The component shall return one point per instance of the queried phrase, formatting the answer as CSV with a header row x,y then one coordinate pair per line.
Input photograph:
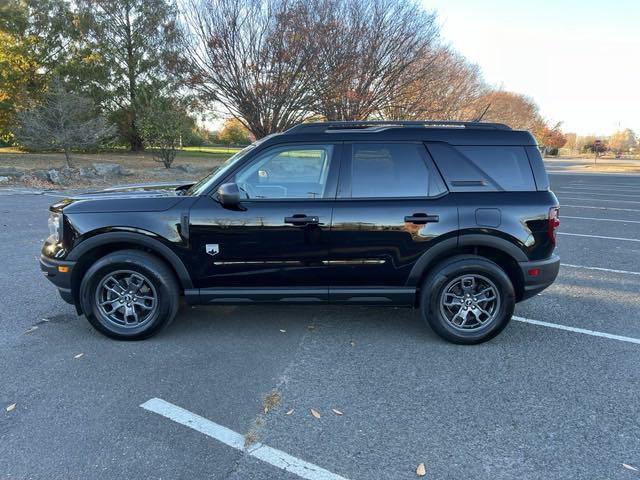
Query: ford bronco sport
x,y
454,218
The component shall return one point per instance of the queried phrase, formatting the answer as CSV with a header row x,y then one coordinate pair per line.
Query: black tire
x,y
456,272
158,284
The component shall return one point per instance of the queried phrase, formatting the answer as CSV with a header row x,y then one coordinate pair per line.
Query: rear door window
x,y
392,170
484,168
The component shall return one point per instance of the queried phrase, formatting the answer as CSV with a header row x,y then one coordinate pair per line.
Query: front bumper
x,y
59,273
538,275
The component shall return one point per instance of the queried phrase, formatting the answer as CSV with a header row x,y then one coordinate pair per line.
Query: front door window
x,y
291,172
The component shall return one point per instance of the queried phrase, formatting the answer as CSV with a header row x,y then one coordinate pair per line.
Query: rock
x,y
10,172
87,172
186,168
4,179
40,175
54,176
126,172
105,169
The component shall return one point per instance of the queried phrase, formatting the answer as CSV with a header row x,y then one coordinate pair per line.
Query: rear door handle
x,y
302,219
422,218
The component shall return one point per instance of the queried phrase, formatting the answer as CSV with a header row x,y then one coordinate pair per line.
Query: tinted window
x,y
486,168
287,172
388,170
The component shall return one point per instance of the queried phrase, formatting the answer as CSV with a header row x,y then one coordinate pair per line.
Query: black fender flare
x,y
142,239
499,243
436,252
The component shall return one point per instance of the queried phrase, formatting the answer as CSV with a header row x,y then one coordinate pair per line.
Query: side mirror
x,y
229,195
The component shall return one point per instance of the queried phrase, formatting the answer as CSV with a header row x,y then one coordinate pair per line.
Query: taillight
x,y
553,223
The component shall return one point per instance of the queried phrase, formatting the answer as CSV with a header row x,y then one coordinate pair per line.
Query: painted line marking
x,y
598,189
592,194
600,269
582,184
272,456
601,200
600,219
593,333
598,236
601,208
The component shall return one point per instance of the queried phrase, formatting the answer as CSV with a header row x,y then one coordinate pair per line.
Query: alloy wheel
x,y
126,298
470,302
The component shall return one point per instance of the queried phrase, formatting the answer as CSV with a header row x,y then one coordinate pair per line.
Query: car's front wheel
x,y
467,299
129,295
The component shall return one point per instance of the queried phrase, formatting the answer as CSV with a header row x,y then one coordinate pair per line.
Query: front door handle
x,y
422,218
302,219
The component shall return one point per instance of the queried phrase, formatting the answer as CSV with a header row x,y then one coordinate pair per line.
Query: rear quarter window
x,y
484,168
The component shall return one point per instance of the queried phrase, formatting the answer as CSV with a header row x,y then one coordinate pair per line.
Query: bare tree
x,y
443,85
365,51
252,57
514,109
62,122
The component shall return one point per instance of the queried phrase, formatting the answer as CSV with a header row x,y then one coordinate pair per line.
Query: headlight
x,y
55,227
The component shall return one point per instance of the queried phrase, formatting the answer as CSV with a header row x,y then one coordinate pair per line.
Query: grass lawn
x,y
199,157
226,151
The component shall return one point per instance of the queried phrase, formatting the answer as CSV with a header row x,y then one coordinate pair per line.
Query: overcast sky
x,y
579,60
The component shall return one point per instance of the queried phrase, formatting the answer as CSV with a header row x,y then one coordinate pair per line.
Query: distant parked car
x,y
456,219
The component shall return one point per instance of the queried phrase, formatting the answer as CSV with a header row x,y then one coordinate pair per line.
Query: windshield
x,y
201,186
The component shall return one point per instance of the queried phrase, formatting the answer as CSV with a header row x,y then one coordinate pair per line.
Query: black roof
x,y
454,133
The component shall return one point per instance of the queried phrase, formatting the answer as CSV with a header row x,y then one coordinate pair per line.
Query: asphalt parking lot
x,y
552,400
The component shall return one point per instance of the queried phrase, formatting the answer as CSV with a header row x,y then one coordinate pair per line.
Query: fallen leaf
x,y
311,327
78,355
283,331
250,438
628,467
290,412
31,329
11,407
421,471
271,401
315,413
45,320
337,412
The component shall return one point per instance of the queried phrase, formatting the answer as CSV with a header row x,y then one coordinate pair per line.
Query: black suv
x,y
454,218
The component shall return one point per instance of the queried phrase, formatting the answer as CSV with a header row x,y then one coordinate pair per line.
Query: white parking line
x,y
593,194
599,236
600,269
584,331
562,205
277,458
578,184
600,189
600,219
600,200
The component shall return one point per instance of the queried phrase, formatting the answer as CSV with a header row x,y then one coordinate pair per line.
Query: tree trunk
x,y
135,140
67,157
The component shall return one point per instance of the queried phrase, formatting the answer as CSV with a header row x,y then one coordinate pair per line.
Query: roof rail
x,y
377,125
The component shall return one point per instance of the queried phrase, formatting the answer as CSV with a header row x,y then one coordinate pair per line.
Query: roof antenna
x,y
483,112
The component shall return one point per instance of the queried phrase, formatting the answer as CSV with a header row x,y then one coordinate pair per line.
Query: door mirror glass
x,y
229,195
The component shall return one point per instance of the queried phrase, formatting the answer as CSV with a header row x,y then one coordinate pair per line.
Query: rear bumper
x,y
62,280
538,275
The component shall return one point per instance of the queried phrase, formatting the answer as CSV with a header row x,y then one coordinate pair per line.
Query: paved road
x,y
534,403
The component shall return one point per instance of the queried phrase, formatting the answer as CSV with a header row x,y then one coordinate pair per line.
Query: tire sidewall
x,y
448,271
97,272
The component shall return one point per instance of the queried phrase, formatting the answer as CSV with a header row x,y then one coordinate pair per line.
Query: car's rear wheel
x,y
467,299
129,295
